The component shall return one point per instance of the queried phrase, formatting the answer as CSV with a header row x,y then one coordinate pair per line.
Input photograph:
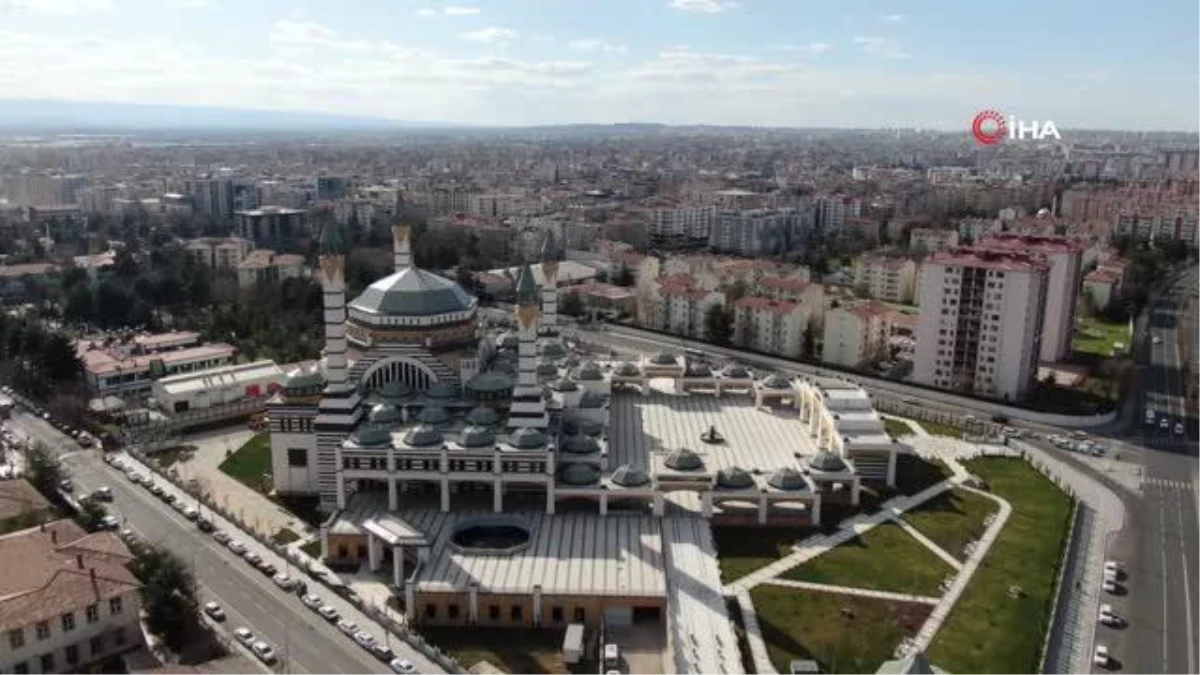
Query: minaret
x,y
401,247
549,286
333,289
528,409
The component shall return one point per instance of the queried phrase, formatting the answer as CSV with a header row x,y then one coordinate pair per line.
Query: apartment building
x,y
1062,292
67,599
219,253
1173,222
760,231
930,240
264,265
677,304
887,278
856,334
275,224
771,326
981,320
34,188
683,223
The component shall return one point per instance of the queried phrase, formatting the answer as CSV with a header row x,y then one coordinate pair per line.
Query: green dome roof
x,y
422,436
371,434
509,340
546,368
564,385
580,444
395,389
489,382
527,438
582,426
589,372
787,478
627,369
476,437
434,414
413,292
630,476
735,478
697,370
683,459
384,413
736,372
552,348
441,390
776,381
578,474
483,416
664,359
827,461
304,379
591,399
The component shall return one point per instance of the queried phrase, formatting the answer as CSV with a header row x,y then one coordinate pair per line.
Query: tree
x,y
57,358
808,345
42,469
737,290
168,594
91,515
572,304
718,325
623,276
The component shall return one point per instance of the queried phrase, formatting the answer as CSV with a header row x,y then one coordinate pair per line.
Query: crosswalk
x,y
1168,483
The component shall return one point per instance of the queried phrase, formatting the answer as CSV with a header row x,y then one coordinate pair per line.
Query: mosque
x,y
496,478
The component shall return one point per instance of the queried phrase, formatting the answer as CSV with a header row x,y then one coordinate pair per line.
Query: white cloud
x,y
810,48
426,11
891,18
881,48
492,35
598,45
703,6
55,7
460,10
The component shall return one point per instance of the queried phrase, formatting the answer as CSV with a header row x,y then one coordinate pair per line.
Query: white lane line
x,y
1162,520
1187,593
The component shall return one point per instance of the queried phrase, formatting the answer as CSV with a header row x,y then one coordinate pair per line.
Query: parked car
x,y
222,537
109,523
329,613
312,602
1107,617
402,666
156,490
204,525
66,485
244,635
252,557
266,568
348,627
1100,656
284,581
102,494
214,610
1164,424
236,546
382,652
264,652
1111,586
1179,428
364,639
191,513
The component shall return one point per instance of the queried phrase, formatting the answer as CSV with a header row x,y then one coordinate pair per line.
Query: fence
x,y
1060,590
968,423
304,563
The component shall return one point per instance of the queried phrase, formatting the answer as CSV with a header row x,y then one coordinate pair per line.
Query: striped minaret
x,y
550,294
527,409
333,288
401,247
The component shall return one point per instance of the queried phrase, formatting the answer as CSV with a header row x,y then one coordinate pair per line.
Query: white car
x,y
1164,424
311,601
1106,615
364,639
284,581
221,536
263,651
1100,657
1112,566
348,627
191,513
244,635
1111,586
109,523
1179,428
402,666
214,610
236,546
328,612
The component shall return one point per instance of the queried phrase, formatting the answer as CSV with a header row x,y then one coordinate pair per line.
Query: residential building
x,y
271,224
981,321
331,188
887,278
685,307
761,231
212,197
1102,286
930,240
1062,291
67,599
771,326
219,253
683,223
264,265
856,334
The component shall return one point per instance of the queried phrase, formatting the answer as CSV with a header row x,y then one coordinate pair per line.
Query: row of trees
x,y
35,358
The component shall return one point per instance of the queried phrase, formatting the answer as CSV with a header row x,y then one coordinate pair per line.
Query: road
x,y
305,642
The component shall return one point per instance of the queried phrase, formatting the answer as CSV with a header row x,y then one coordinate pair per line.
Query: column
x,y
537,605
398,566
473,606
815,505
341,489
891,470
373,553
604,503
706,504
762,509
658,505
324,542
401,249
550,499
717,388
854,490
445,496
393,498
410,603
498,497
423,555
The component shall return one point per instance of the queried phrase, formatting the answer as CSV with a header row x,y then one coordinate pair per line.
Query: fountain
x,y
711,436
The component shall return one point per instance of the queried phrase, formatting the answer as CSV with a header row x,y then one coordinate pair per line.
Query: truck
x,y
572,647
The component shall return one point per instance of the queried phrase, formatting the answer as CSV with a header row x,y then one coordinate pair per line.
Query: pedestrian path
x,y
851,590
1168,483
758,648
929,544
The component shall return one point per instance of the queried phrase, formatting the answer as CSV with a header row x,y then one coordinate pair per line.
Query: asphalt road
x,y
304,641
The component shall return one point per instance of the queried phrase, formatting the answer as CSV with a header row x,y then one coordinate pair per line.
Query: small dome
x,y
734,478
384,413
546,368
582,426
580,444
683,459
552,349
476,437
578,474
303,380
434,414
505,366
395,389
735,372
663,359
489,382
826,461
697,370
564,384
371,435
508,340
423,435
627,475
776,381
627,369
527,438
589,372
442,390
571,362
483,416
787,478
591,400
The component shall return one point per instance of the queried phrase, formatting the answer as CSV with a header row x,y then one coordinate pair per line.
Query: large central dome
x,y
413,292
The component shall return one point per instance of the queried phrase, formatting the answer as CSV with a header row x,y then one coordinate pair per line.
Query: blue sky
x,y
876,63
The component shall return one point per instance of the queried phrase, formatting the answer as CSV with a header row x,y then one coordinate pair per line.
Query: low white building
x,y
771,326
217,386
856,334
887,278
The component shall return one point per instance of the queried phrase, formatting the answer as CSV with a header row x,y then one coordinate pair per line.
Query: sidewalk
x,y
849,590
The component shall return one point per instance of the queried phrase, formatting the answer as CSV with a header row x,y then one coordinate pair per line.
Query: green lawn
x,y
886,558
513,650
988,631
939,429
896,427
844,633
741,550
952,519
170,456
1100,337
251,463
284,536
312,549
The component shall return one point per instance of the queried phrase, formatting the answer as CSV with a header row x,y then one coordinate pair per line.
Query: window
x,y
93,613
452,611
297,457
494,612
515,613
97,644
43,630
431,610
16,638
21,667
72,654
68,622
47,663
114,606
556,614
119,637
579,614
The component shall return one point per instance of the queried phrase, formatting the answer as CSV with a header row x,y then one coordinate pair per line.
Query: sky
x,y
1109,64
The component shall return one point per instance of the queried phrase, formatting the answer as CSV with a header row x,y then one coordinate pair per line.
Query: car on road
x,y
84,440
236,546
1164,424
364,639
244,635
252,557
1107,617
264,651
222,537
66,485
1111,586
179,505
1100,656
329,613
168,498
1156,340
348,627
1179,428
382,652
266,568
102,494
402,666
284,581
191,513
112,460
204,525
156,489
312,602
214,610
109,523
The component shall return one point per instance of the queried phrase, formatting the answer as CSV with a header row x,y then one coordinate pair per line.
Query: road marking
x,y
1162,520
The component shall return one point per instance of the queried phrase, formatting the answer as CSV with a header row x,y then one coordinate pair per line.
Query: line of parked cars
x,y
1114,573
1164,422
1084,445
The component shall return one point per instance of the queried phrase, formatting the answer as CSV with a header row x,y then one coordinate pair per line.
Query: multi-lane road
x,y
305,642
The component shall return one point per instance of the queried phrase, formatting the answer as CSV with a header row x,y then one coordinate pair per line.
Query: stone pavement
x,y
850,590
929,544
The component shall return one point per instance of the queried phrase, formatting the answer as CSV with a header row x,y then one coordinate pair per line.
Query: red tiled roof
x,y
1034,242
1100,276
989,258
766,304
784,283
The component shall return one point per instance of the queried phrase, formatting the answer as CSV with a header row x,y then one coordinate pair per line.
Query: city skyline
x,y
680,62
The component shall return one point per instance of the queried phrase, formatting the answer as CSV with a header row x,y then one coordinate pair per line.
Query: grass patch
x,y
896,427
1097,336
914,473
886,558
312,549
285,536
952,519
170,456
251,464
513,650
304,507
741,550
799,624
939,429
988,631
